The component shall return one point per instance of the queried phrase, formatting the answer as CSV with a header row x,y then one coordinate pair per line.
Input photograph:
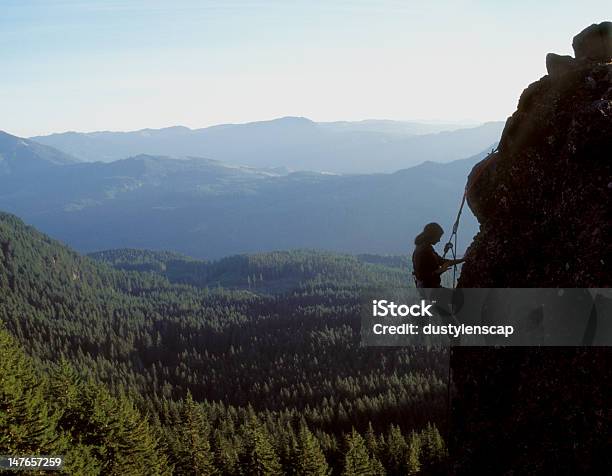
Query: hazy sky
x,y
124,65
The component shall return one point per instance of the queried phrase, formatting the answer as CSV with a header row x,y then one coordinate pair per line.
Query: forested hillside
x,y
252,368
265,272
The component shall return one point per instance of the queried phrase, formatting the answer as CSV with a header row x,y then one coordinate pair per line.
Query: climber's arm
x,y
448,263
455,261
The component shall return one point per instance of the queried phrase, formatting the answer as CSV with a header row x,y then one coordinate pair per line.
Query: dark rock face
x,y
529,411
557,64
594,43
543,201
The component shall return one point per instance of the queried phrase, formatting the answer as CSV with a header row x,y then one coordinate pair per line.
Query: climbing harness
x,y
451,245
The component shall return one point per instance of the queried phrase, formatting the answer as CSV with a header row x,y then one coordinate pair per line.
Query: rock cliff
x,y
543,203
543,199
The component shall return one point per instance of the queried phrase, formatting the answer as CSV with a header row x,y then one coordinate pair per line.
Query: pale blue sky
x,y
124,65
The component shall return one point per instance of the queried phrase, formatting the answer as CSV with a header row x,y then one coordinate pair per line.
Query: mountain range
x,y
19,155
296,143
209,209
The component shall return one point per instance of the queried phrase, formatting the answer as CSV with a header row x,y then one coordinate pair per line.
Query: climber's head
x,y
431,234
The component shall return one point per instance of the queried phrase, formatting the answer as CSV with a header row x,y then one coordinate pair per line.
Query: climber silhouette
x,y
428,265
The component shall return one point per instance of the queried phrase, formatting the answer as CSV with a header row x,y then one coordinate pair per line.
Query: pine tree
x,y
32,414
28,423
356,458
377,467
371,440
118,435
259,458
310,460
288,452
225,456
137,442
65,390
414,452
195,456
396,451
433,450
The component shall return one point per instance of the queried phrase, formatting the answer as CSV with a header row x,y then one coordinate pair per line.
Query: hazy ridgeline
x,y
209,209
294,143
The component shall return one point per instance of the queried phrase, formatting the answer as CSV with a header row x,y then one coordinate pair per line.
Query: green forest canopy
x,y
247,365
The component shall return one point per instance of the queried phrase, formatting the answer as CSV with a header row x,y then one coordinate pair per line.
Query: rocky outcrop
x,y
543,200
543,203
594,43
557,64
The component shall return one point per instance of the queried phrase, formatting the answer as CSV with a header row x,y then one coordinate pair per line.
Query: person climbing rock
x,y
428,265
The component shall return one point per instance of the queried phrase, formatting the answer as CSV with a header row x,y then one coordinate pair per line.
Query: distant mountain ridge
x,y
207,209
296,143
23,155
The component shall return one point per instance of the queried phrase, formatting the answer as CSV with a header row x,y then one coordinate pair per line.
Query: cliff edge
x,y
543,199
543,203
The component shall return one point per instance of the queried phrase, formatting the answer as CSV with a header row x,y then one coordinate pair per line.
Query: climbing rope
x,y
449,404
451,245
